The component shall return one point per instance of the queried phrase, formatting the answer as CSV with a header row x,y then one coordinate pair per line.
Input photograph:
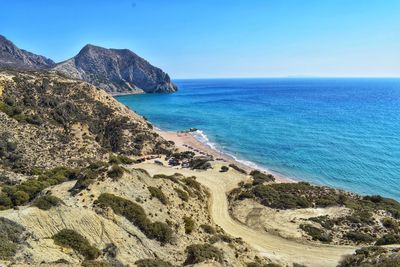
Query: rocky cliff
x,y
13,57
116,71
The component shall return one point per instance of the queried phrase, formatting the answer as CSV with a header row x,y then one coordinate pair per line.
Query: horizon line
x,y
291,77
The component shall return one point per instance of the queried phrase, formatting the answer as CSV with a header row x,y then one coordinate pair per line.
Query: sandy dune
x,y
269,245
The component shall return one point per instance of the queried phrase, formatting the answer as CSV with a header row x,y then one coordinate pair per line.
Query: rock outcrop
x,y
116,71
14,58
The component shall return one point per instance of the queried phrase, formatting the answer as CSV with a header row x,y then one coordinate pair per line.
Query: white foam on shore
x,y
200,136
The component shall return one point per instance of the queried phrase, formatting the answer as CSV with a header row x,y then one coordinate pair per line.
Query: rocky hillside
x,y
116,71
48,120
13,57
72,190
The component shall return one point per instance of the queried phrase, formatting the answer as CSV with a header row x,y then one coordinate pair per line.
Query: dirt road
x,y
269,245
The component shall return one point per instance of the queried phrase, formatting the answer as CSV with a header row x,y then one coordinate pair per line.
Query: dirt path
x,y
269,245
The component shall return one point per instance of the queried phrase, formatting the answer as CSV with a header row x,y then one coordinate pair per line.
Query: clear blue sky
x,y
212,38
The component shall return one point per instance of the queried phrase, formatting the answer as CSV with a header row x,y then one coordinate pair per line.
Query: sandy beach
x,y
186,141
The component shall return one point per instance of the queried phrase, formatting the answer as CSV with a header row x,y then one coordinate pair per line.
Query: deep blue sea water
x,y
338,132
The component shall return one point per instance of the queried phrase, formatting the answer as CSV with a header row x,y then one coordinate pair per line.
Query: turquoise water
x,y
338,132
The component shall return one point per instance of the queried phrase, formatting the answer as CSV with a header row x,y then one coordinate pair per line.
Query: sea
x,y
339,132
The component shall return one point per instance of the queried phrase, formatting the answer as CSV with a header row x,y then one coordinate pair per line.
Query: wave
x,y
200,136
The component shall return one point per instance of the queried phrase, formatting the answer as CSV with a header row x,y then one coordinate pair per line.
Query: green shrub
x,y
224,169
235,167
47,202
5,201
183,155
208,229
152,263
361,216
11,235
159,231
172,178
20,198
189,224
158,193
324,221
120,159
115,172
71,239
220,237
260,178
137,216
198,253
192,183
182,194
316,233
358,237
200,163
390,223
371,256
22,193
388,239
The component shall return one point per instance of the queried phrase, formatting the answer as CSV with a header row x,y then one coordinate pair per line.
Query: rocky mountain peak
x,y
116,71
13,57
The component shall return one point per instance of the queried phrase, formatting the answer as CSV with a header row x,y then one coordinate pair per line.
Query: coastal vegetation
x,y
158,193
235,167
198,253
358,226
47,202
182,194
260,178
72,239
137,216
189,224
371,256
11,236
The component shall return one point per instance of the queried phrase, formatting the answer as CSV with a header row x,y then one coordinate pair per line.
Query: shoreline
x,y
187,141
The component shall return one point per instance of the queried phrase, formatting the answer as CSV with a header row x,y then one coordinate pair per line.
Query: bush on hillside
x,y
390,223
47,202
324,221
235,167
189,224
115,172
388,239
11,235
224,169
72,239
137,216
220,237
260,178
316,233
208,229
358,237
198,253
371,256
120,159
26,191
158,193
200,163
182,194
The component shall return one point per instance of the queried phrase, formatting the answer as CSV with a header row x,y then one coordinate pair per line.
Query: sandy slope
x,y
269,245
